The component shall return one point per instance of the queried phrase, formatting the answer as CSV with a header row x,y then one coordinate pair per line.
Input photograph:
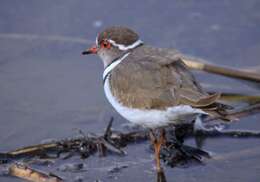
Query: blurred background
x,y
47,88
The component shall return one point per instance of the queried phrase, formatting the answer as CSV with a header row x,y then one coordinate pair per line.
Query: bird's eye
x,y
105,44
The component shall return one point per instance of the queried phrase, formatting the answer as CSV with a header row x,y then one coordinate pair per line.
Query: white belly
x,y
152,118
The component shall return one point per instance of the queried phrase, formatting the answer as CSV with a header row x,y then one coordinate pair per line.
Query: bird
x,y
149,86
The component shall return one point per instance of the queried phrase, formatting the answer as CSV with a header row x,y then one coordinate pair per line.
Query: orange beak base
x,y
92,50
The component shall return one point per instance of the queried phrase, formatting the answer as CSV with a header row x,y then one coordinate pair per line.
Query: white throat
x,y
110,67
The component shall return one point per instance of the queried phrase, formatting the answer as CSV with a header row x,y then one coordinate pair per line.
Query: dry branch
x,y
27,173
114,141
224,71
240,98
111,141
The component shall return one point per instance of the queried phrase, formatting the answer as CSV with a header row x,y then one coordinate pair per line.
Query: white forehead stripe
x,y
113,65
123,47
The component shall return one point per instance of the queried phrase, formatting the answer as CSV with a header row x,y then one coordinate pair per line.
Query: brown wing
x,y
148,83
140,84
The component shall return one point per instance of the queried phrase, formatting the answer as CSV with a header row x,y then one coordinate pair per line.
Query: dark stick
x,y
90,145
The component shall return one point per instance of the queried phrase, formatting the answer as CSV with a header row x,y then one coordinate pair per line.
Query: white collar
x,y
111,66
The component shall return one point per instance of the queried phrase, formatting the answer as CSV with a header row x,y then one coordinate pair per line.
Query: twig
x,y
240,98
121,139
229,133
27,173
33,149
224,71
250,110
244,112
114,141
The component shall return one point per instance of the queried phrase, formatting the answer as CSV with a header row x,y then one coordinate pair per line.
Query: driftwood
x,y
86,147
30,174
238,98
224,71
112,141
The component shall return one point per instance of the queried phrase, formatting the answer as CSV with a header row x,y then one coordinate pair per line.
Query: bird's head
x,y
113,42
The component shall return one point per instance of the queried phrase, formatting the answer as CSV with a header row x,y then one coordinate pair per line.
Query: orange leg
x,y
157,143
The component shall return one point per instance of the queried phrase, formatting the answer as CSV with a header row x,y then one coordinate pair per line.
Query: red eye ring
x,y
105,44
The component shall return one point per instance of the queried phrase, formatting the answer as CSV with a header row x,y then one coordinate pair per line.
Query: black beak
x,y
92,50
86,52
